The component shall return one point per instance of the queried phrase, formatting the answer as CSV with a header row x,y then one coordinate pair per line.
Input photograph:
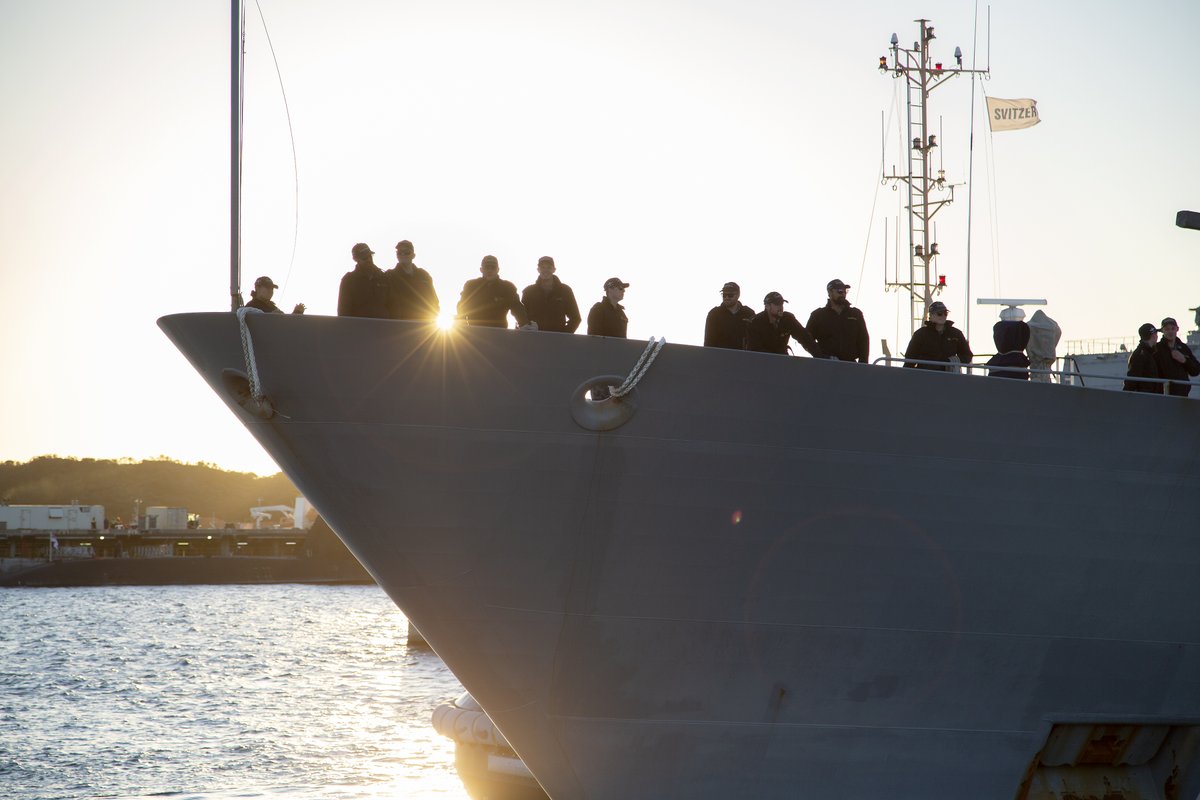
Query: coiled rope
x,y
653,348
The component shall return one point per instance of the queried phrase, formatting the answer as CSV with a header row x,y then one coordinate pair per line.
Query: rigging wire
x,y
292,137
971,166
238,74
994,216
874,200
900,197
907,300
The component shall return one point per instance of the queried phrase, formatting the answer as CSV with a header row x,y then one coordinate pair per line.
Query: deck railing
x,y
1064,377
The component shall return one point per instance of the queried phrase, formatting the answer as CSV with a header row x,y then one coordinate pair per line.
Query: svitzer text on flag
x,y
1011,115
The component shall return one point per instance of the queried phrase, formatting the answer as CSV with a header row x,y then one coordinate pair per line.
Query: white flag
x,y
1011,115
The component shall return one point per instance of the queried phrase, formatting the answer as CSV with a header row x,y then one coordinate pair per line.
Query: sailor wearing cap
x,y
938,340
1175,359
771,330
726,324
261,294
839,328
607,317
363,292
1143,364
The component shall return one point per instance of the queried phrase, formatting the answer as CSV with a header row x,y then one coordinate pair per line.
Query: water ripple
x,y
215,693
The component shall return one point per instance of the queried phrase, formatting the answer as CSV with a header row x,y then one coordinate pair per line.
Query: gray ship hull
x,y
780,578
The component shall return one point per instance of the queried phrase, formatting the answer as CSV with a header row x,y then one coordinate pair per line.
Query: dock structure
x,y
35,557
131,543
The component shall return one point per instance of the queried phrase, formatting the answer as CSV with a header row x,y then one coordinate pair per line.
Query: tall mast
x,y
235,155
922,75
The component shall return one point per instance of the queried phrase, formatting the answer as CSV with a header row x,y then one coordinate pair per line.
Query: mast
x,y
235,155
922,76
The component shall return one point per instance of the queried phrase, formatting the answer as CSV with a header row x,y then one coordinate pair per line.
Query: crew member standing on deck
x,y
727,324
261,294
607,317
363,292
771,330
1175,359
487,301
1143,364
410,289
840,328
938,340
550,302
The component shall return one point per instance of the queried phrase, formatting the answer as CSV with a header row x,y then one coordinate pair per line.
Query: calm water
x,y
218,692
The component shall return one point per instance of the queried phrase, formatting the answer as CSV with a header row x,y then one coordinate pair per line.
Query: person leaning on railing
x,y
1011,337
260,297
1175,360
840,330
772,329
550,302
363,290
410,292
938,340
726,324
487,301
607,317
1142,363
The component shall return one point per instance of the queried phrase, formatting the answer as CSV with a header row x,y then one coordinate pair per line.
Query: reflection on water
x,y
218,692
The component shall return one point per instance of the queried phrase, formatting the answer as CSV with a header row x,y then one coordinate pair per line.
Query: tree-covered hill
x,y
117,484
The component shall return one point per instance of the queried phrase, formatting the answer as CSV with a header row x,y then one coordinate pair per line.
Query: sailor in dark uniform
x,y
607,317
410,289
938,340
261,294
1175,359
488,300
1143,364
839,327
771,330
550,302
726,325
363,292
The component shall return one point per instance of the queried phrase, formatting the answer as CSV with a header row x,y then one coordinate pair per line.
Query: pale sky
x,y
674,144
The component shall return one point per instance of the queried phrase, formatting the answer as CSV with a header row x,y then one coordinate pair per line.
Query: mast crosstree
x,y
927,192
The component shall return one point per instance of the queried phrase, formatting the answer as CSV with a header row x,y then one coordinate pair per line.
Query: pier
x,y
30,557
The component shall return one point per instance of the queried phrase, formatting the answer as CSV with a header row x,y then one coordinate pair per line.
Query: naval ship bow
x,y
771,585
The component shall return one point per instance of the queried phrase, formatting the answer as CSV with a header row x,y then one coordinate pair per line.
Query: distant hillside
x,y
200,488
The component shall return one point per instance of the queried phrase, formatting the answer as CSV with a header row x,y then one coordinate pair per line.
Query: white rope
x,y
653,348
248,352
